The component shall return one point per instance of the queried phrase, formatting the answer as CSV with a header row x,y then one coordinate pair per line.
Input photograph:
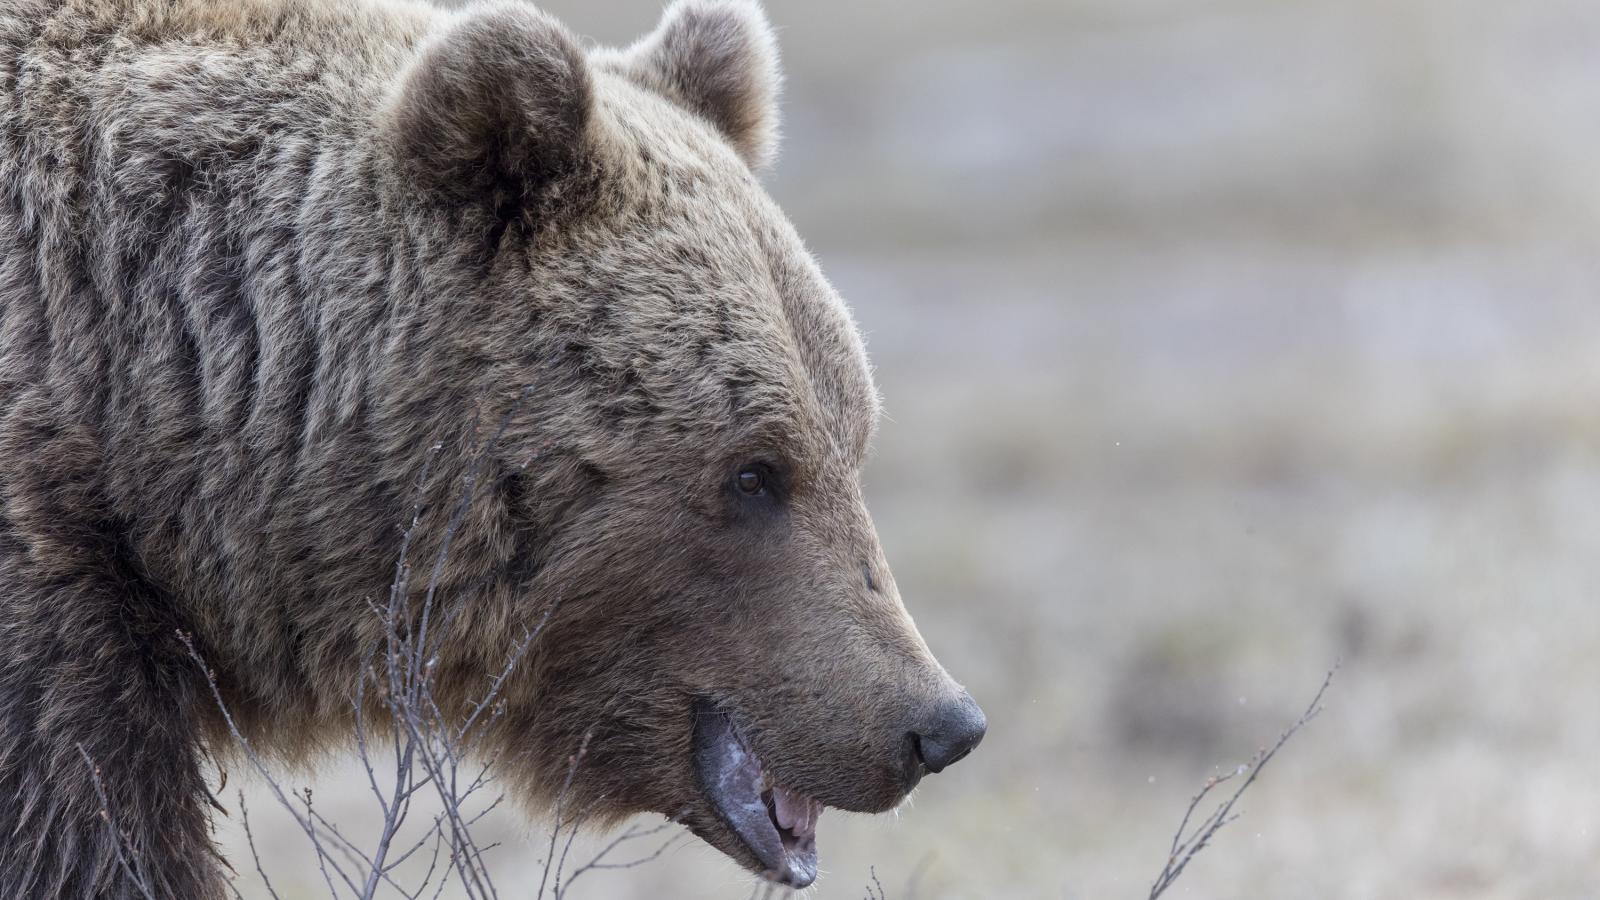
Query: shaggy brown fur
x,y
257,257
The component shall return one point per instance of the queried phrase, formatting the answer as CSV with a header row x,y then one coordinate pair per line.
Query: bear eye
x,y
751,480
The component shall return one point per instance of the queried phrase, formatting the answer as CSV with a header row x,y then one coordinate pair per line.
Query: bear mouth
x,y
775,824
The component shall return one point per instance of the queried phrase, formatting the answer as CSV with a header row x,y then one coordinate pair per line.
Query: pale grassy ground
x,y
1220,340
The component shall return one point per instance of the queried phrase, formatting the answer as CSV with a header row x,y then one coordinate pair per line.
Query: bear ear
x,y
494,109
716,58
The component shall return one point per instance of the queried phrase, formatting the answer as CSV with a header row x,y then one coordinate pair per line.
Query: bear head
x,y
726,642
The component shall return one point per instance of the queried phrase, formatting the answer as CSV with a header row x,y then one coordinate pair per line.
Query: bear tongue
x,y
733,781
795,811
788,807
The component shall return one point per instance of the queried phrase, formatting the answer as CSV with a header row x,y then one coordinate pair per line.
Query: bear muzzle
x,y
775,824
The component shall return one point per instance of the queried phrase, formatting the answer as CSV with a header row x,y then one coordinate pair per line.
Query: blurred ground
x,y
1220,339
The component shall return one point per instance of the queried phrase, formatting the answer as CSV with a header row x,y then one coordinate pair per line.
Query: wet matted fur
x,y
258,256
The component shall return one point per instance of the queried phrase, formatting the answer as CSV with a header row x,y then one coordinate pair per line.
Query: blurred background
x,y
1221,339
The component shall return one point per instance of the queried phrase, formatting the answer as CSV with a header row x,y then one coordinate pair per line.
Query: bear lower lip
x,y
777,825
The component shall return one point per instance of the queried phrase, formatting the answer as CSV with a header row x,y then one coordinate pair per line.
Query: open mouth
x,y
776,824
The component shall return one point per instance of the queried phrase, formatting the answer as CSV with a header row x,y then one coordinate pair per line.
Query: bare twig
x,y
875,889
111,827
244,816
600,860
1187,842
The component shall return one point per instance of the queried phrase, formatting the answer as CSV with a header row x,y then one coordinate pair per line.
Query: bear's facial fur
x,y
729,651
710,346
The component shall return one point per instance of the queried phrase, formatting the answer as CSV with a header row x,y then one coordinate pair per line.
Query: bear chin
x,y
765,826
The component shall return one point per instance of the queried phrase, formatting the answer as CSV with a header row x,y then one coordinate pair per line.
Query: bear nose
x,y
953,733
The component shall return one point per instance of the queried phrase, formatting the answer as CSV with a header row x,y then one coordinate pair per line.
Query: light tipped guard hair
x,y
719,60
496,108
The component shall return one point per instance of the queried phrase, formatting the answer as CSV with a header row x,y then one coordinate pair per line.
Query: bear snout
x,y
952,731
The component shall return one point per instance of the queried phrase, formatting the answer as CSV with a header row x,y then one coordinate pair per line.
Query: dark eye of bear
x,y
751,480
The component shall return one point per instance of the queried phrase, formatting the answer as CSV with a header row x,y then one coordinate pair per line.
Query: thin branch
x,y
250,838
561,799
111,826
875,889
306,825
1185,844
599,863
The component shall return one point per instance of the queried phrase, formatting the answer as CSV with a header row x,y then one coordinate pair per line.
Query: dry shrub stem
x,y
875,887
1187,842
128,868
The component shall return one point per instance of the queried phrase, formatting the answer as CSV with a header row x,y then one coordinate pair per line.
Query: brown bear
x,y
257,257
